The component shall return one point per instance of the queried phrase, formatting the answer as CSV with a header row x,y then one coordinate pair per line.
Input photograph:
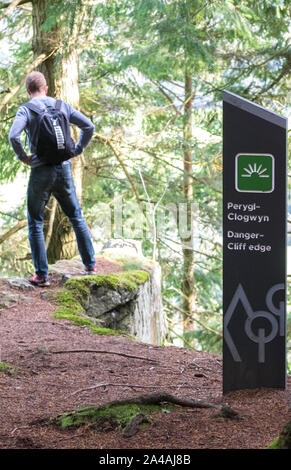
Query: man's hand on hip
x,y
27,160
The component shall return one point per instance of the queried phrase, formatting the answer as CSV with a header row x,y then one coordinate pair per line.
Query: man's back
x,y
28,120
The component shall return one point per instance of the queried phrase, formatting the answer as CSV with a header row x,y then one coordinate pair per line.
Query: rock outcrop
x,y
126,296
135,309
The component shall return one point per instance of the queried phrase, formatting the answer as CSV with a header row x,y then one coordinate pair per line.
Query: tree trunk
x,y
61,72
188,285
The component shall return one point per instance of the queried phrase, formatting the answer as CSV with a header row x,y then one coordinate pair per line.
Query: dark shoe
x,y
91,270
39,281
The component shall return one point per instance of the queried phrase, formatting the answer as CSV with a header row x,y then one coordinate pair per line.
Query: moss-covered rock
x,y
126,301
129,280
284,440
79,319
74,298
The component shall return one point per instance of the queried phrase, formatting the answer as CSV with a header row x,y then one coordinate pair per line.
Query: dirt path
x,y
48,384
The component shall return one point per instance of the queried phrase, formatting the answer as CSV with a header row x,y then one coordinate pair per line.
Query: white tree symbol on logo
x,y
253,169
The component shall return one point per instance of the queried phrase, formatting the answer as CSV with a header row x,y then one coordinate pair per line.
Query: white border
x,y
236,172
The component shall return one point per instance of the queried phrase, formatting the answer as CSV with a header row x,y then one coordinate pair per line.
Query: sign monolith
x,y
254,245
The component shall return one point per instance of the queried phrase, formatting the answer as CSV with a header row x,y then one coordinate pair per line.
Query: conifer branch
x,y
8,7
41,58
208,328
36,62
21,224
122,164
24,5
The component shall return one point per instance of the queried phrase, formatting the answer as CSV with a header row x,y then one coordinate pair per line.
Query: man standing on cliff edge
x,y
46,122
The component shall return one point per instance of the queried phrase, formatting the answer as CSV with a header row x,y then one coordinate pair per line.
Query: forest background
x,y
150,75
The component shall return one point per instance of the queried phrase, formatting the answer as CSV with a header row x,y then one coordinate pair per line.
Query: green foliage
x,y
206,340
15,55
64,12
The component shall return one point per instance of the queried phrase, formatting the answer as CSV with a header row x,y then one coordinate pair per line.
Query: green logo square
x,y
254,173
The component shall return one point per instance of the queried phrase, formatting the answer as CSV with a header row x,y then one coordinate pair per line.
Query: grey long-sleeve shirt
x,y
25,120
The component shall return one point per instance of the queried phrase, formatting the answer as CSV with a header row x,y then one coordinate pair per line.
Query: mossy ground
x,y
8,368
284,440
118,415
74,295
275,444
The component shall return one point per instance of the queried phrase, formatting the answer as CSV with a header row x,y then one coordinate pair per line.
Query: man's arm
x,y
86,126
17,128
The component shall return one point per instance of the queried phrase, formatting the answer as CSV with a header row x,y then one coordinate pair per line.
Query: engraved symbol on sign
x,y
260,337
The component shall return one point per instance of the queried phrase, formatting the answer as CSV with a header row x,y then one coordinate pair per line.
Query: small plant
x,y
8,369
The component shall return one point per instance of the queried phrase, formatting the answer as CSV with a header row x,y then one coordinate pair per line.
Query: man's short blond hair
x,y
35,81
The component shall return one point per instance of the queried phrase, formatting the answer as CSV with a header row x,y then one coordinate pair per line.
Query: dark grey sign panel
x,y
254,245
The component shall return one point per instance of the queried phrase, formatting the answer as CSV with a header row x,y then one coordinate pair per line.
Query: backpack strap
x,y
58,105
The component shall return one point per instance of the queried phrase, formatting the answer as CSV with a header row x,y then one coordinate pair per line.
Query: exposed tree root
x,y
95,351
160,398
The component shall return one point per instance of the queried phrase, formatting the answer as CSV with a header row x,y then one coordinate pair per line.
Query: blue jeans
x,y
57,180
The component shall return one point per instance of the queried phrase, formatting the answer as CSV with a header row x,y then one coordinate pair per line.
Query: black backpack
x,y
54,142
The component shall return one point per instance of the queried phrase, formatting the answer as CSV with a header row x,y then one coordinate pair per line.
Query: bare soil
x,y
47,384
